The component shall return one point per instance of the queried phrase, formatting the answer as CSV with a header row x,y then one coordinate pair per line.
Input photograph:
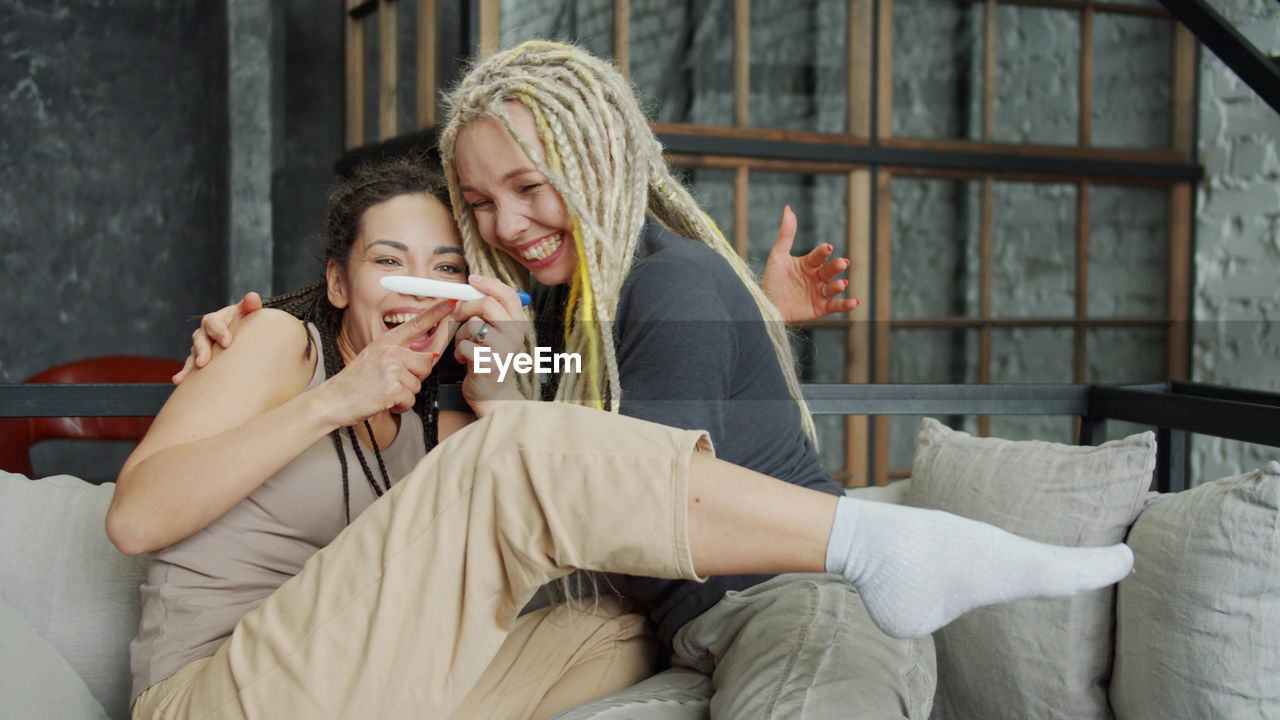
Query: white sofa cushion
x,y
62,575
1198,630
1043,659
35,682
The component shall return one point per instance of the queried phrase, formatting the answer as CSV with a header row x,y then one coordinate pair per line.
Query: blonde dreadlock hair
x,y
607,165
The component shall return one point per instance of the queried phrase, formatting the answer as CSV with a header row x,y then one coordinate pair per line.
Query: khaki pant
x,y
795,647
401,615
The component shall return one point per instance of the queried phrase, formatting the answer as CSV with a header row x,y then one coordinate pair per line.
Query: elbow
x,y
129,538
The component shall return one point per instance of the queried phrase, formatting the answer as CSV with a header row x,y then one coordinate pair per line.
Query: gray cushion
x,y
63,576
1198,630
1041,659
35,682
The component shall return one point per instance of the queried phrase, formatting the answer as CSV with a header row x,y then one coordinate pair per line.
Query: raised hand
x,y
804,288
388,372
216,327
497,324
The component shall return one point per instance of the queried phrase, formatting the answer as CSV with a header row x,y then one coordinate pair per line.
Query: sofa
x,y
1194,632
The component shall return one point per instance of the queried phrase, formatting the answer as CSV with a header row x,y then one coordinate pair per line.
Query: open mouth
x,y
396,319
544,248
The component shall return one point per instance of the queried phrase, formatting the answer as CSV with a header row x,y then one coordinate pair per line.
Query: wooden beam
x,y
882,312
1086,76
1081,333
989,70
1182,125
353,28
426,51
741,62
884,72
986,260
388,97
622,36
732,162
741,207
1181,217
490,26
858,60
1103,7
858,335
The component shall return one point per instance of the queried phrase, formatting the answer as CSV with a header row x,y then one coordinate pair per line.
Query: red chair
x,y
18,435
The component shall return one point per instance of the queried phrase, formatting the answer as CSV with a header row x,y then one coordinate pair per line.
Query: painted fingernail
x,y
435,356
453,303
856,302
830,247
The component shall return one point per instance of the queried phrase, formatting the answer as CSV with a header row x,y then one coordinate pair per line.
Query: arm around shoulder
x,y
225,430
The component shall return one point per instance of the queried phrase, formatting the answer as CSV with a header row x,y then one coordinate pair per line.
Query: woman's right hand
x,y
388,373
495,322
216,327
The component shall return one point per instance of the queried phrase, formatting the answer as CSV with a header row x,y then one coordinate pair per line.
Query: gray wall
x,y
112,214
1237,264
116,181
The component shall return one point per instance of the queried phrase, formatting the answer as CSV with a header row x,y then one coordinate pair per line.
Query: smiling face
x,y
406,235
516,210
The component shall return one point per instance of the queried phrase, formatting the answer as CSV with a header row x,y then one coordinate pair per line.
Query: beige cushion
x,y
1198,632
61,574
1041,659
35,681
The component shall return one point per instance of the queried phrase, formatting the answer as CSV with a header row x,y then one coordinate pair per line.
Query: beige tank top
x,y
199,588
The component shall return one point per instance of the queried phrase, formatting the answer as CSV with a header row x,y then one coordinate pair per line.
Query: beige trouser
x,y
401,614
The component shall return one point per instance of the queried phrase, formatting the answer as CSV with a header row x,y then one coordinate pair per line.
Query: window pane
x,y
820,203
682,59
798,64
928,356
372,77
1033,247
1140,3
713,189
937,83
1032,355
935,235
1128,251
1132,81
1125,355
821,356
588,23
1037,94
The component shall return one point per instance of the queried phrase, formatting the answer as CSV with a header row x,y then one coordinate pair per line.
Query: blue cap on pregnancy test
x,y
426,287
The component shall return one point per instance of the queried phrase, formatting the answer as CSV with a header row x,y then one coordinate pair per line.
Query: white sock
x,y
918,570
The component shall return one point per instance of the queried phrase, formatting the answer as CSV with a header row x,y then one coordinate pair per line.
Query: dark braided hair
x,y
371,183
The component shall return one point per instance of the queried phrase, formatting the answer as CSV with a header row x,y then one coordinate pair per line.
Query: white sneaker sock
x,y
918,570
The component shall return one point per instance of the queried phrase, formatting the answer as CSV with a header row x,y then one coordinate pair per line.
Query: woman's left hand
x,y
493,326
806,287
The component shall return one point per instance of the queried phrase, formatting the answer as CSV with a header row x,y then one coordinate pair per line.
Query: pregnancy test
x,y
426,287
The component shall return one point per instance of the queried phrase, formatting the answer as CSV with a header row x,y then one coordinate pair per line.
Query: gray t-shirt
x,y
694,353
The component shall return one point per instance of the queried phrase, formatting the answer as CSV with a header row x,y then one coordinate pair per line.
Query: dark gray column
x,y
255,118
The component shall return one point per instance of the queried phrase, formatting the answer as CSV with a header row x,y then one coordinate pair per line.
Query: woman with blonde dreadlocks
x,y
555,174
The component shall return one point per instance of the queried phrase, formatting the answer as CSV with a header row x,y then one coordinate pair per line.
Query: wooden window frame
x,y
869,156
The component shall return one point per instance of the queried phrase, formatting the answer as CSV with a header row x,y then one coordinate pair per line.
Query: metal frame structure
x,y
1256,69
1176,409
